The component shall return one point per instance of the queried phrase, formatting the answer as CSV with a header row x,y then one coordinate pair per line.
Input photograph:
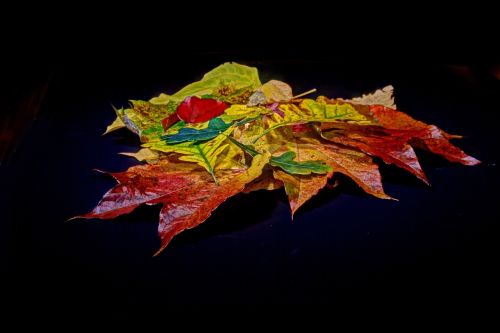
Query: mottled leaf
x,y
194,204
382,97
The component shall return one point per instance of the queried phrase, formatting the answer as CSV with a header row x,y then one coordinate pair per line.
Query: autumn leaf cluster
x,y
228,133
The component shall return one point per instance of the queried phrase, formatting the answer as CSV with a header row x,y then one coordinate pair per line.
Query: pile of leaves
x,y
228,133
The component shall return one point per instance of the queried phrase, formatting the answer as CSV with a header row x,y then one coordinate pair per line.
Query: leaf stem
x,y
304,93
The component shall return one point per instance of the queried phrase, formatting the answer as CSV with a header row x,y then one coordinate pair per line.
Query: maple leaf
x,y
354,164
392,149
300,188
186,192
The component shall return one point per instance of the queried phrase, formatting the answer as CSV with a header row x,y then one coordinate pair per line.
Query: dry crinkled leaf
x,y
382,96
271,92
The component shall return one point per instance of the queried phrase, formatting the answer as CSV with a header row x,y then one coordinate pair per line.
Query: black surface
x,y
436,246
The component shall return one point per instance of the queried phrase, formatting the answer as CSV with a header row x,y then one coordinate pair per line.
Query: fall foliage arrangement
x,y
229,133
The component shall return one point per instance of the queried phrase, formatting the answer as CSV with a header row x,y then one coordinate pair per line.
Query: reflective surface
x,y
437,244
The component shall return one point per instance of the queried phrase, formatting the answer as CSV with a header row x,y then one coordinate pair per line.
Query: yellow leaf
x,y
277,91
162,99
243,112
204,154
144,154
116,124
231,158
324,112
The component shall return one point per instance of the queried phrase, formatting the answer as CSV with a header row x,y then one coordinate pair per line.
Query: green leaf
x,y
286,162
227,80
215,127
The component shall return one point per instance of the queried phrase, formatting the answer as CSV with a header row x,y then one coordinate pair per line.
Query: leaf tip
x,y
74,218
470,161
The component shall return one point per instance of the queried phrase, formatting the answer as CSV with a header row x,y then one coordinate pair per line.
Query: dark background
x,y
437,246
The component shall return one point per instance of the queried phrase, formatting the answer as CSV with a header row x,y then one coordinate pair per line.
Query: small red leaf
x,y
197,110
169,121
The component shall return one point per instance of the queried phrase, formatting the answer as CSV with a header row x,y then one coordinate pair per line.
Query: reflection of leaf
x,y
215,127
